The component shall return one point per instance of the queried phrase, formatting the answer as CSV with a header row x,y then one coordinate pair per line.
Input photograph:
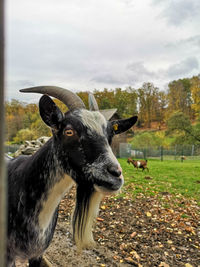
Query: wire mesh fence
x,y
11,148
176,152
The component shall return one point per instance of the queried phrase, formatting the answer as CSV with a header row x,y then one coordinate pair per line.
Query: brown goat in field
x,y
138,163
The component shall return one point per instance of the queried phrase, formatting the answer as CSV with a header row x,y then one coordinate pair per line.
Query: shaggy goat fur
x,y
78,152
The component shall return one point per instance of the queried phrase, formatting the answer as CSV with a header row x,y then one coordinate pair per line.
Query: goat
x,y
78,152
138,163
182,158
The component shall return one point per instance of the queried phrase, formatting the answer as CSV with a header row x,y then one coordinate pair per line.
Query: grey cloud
x,y
191,41
91,44
139,72
133,73
176,12
194,40
13,87
184,67
24,83
107,78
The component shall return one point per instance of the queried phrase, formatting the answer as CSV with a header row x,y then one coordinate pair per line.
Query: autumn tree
x,y
160,104
84,98
105,99
146,139
195,90
180,123
149,103
179,97
23,135
126,101
23,120
14,117
31,114
132,101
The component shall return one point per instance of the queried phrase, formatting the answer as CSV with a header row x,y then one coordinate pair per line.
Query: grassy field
x,y
174,177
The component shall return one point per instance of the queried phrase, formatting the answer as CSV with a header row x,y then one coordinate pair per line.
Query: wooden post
x,y
3,187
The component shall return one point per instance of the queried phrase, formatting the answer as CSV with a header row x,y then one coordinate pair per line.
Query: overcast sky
x,y
88,44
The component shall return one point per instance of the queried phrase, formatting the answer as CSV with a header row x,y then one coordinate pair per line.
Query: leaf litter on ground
x,y
159,230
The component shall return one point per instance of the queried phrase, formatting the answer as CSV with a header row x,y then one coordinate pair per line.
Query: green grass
x,y
170,176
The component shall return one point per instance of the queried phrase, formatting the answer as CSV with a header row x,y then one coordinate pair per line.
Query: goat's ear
x,y
120,126
49,112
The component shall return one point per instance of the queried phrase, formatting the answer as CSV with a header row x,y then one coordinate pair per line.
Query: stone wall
x,y
30,147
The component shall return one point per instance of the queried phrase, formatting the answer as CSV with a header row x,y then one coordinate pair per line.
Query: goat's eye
x,y
69,132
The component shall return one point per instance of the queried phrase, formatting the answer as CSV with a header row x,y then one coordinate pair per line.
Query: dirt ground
x,y
150,231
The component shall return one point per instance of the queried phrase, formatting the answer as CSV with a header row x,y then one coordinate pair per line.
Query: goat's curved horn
x,y
92,102
71,100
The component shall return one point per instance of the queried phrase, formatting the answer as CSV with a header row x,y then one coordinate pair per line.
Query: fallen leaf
x,y
133,235
190,230
123,246
135,255
163,264
148,214
188,265
100,219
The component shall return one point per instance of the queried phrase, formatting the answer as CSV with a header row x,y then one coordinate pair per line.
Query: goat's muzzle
x,y
111,182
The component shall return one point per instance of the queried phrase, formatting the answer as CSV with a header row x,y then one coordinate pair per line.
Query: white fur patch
x,y
93,120
54,197
138,164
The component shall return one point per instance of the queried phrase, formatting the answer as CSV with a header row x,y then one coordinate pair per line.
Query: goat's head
x,y
82,141
129,160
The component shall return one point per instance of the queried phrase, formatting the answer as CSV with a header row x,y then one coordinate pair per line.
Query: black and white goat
x,y
78,152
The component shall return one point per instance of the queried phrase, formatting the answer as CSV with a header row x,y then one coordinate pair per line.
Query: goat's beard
x,y
86,210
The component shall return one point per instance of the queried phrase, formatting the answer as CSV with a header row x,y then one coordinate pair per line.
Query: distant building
x,y
110,115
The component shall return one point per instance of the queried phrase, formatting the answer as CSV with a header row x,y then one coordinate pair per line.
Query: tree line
x,y
148,102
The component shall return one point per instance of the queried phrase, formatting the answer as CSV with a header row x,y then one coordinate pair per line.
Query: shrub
x,y
23,135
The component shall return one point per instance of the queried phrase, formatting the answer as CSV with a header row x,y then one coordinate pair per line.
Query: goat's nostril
x,y
114,171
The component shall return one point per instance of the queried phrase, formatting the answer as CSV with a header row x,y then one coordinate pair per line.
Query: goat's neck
x,y
49,181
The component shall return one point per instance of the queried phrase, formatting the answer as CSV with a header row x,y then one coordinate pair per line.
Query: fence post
x,y
3,186
175,152
192,154
161,153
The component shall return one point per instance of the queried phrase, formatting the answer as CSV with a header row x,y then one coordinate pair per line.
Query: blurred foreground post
x,y
3,187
